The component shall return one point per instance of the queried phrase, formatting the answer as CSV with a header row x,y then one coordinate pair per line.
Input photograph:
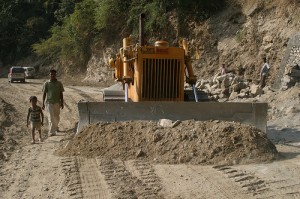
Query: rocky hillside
x,y
239,36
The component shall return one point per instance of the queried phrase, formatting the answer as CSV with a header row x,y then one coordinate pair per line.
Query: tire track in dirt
x,y
124,184
121,183
262,188
144,171
287,188
249,182
103,178
92,181
72,177
194,181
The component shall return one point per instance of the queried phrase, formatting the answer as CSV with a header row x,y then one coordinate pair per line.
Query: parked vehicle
x,y
16,73
29,72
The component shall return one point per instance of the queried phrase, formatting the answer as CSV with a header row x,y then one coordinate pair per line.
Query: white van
x,y
16,73
29,72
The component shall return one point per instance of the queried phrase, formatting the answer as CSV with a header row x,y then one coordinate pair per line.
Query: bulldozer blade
x,y
254,114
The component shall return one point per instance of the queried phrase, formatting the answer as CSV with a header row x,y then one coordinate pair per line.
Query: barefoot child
x,y
36,116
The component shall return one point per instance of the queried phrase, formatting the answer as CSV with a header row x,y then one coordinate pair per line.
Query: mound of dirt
x,y
194,142
7,144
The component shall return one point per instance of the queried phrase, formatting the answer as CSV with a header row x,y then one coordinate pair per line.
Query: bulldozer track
x,y
112,178
72,177
103,178
93,183
247,181
124,184
261,188
145,172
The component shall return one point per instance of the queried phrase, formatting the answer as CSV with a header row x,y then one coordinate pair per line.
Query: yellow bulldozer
x,y
152,79
153,73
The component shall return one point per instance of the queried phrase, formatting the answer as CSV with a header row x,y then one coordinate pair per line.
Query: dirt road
x,y
34,171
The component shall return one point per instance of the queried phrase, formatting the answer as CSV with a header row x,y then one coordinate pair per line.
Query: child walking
x,y
36,117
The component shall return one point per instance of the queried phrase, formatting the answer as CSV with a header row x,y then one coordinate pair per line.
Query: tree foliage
x,y
71,41
68,29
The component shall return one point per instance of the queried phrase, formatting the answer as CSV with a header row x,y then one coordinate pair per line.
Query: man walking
x,y
53,91
263,73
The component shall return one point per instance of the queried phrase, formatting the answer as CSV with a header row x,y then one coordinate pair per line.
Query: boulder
x,y
255,90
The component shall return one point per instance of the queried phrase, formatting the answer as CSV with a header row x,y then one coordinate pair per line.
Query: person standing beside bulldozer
x,y
222,74
264,72
223,70
53,91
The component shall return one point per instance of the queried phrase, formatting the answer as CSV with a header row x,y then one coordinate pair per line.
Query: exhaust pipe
x,y
141,29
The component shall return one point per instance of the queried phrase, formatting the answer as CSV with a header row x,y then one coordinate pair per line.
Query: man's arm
x,y
44,97
61,100
42,116
45,90
61,95
27,122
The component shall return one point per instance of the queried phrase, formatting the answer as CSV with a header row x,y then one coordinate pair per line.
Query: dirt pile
x,y
194,142
7,143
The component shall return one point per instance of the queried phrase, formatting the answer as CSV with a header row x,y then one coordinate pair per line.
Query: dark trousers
x,y
262,81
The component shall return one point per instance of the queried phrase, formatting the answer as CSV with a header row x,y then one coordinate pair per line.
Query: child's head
x,y
33,99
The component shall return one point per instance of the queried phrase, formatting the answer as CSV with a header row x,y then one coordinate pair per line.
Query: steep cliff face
x,y
239,36
244,33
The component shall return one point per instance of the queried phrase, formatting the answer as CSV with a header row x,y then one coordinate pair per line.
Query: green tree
x,y
71,41
110,18
66,30
156,23
61,9
22,23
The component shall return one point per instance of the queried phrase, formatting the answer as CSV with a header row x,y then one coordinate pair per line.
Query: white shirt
x,y
265,69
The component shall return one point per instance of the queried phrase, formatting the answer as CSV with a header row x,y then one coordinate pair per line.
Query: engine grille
x,y
161,80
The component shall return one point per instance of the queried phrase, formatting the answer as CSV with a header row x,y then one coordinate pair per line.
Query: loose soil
x,y
140,159
194,142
